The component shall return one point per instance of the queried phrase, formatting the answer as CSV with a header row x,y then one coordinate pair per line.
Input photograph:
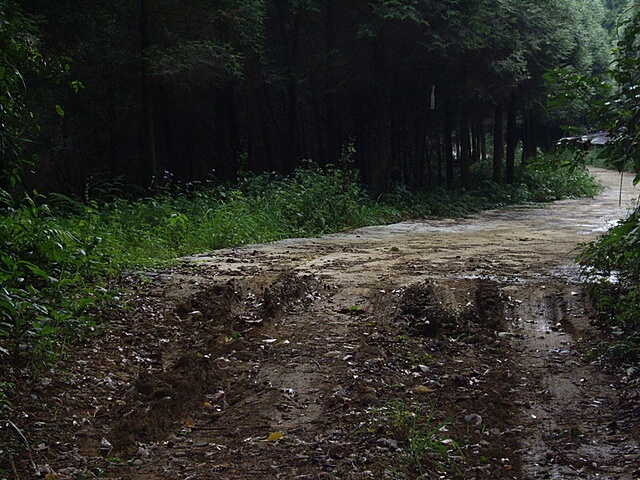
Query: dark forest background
x,y
408,92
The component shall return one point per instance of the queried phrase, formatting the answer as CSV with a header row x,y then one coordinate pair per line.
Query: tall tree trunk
x,y
150,164
465,149
114,164
235,144
498,143
362,164
512,137
448,149
483,142
251,116
292,148
168,151
225,133
378,134
464,139
292,124
333,132
476,140
439,157
529,137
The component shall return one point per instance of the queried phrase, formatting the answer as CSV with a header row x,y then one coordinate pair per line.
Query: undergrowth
x,y
56,252
612,266
424,448
546,178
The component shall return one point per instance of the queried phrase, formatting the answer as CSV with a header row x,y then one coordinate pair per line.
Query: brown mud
x,y
440,349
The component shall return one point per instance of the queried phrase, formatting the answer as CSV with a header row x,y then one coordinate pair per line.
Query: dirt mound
x,y
420,310
424,309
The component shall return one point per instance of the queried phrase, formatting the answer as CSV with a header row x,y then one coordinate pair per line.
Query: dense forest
x,y
414,91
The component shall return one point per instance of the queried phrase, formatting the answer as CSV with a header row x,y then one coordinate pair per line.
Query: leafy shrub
x,y
544,180
612,265
42,270
552,181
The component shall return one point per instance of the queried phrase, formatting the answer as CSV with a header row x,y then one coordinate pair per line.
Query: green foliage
x,y
617,252
23,67
557,176
398,10
19,54
43,268
191,39
547,178
610,103
618,9
209,216
424,447
284,80
188,56
623,107
612,265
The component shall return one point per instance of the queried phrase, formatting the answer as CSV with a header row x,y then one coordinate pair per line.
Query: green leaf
x,y
37,270
46,330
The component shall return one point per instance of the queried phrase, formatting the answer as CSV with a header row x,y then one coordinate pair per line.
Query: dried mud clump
x,y
489,305
420,311
480,313
284,292
217,303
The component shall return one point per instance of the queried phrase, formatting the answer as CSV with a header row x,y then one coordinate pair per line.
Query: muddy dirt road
x,y
422,350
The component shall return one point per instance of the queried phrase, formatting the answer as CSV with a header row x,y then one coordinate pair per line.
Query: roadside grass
x,y
611,267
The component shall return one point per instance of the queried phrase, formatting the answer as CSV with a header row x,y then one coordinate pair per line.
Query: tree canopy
x,y
410,87
20,60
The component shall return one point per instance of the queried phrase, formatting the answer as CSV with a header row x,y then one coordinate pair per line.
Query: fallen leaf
x,y
274,437
423,389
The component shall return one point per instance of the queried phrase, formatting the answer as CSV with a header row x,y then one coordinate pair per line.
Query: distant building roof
x,y
597,138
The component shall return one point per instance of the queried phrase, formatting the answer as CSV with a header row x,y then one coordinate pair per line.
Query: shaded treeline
x,y
405,90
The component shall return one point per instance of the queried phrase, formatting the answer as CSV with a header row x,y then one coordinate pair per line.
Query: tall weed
x,y
425,447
